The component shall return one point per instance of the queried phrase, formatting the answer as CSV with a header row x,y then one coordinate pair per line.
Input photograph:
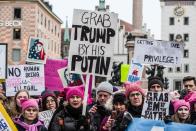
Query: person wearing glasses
x,y
135,96
49,101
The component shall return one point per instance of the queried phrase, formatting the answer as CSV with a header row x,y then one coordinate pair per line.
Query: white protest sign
x,y
165,53
92,41
29,77
135,72
46,117
3,63
156,105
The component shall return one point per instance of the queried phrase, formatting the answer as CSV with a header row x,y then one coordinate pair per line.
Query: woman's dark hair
x,y
45,100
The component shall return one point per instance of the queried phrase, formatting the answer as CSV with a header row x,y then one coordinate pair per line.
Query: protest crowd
x,y
38,99
107,111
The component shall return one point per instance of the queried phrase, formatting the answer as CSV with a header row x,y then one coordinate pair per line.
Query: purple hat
x,y
47,93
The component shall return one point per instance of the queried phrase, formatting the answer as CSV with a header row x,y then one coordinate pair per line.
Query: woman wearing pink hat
x,y
29,121
135,97
70,118
181,112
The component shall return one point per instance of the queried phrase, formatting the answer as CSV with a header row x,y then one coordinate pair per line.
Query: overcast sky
x,y
151,11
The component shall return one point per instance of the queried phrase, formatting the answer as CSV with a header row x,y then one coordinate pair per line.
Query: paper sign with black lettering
x,y
92,41
166,53
29,77
37,50
6,123
156,105
46,117
3,63
135,72
70,79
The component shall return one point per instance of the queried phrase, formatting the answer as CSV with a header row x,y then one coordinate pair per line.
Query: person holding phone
x,y
98,111
114,121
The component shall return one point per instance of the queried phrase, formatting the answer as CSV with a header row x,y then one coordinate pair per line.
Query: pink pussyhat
x,y
130,87
25,103
179,103
75,90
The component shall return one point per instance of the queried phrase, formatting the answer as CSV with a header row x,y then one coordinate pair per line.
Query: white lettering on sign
x,y
10,23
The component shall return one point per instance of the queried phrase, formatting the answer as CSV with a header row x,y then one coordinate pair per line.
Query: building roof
x,y
128,26
44,4
41,2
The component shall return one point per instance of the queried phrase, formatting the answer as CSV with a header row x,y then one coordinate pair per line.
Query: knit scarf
x,y
74,112
27,127
135,111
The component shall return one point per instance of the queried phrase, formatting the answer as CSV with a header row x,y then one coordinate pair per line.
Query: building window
x,y
171,37
45,22
186,37
16,55
186,20
17,34
17,13
177,85
178,69
171,21
41,18
170,69
186,68
186,53
49,25
55,30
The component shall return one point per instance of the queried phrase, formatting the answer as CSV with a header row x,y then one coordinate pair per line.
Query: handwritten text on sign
x,y
156,105
158,52
93,37
46,117
29,77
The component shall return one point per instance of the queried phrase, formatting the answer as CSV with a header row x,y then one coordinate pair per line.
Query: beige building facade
x,y
21,19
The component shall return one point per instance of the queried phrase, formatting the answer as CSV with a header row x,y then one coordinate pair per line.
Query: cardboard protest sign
x,y
92,41
46,117
3,63
70,79
124,70
52,79
156,105
165,53
6,123
29,77
37,50
135,72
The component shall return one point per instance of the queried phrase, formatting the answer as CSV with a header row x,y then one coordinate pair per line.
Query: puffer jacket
x,y
69,119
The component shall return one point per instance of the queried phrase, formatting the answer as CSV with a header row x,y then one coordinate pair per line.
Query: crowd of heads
x,y
109,105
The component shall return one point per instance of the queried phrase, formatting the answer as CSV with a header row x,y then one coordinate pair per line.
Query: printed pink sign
x,y
52,79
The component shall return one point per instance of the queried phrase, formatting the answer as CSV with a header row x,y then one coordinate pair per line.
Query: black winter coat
x,y
69,119
97,117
